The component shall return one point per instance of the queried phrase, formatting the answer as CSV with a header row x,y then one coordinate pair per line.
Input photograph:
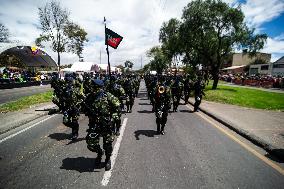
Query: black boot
x,y
158,127
162,129
98,159
75,130
107,163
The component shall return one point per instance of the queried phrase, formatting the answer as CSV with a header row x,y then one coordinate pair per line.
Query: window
x,y
264,67
278,65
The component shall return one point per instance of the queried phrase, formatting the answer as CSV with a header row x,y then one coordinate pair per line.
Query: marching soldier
x,y
162,106
101,107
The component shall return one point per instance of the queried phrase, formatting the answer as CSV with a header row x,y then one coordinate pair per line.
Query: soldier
x,y
118,91
176,90
68,98
130,94
101,107
162,106
198,92
187,87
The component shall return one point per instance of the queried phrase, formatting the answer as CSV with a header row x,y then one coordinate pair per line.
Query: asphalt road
x,y
7,95
192,154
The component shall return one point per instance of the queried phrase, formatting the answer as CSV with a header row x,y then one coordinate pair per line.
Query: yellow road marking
x,y
248,148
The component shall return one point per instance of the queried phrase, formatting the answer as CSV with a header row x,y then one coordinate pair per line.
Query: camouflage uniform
x,y
102,108
67,97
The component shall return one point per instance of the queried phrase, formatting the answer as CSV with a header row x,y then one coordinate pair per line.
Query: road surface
x,y
192,154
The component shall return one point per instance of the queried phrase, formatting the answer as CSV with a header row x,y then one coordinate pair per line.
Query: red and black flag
x,y
112,38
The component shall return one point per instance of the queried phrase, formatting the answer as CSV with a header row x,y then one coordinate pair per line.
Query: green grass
x,y
251,98
26,102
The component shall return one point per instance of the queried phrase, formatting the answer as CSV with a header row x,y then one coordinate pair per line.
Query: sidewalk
x,y
12,120
263,128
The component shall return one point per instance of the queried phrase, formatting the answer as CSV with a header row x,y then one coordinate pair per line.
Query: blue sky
x,y
138,21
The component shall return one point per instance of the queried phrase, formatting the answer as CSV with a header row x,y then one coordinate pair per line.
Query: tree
x,y
121,67
159,61
64,35
128,64
169,36
4,33
77,37
211,30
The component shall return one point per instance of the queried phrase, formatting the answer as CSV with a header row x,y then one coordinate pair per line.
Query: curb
x,y
25,121
279,153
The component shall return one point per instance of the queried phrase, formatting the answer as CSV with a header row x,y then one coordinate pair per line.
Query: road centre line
x,y
25,129
113,157
248,148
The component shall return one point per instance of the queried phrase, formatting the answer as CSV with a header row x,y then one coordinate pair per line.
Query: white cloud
x,y
258,12
138,21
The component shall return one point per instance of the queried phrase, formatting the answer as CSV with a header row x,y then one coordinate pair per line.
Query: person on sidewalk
x,y
101,107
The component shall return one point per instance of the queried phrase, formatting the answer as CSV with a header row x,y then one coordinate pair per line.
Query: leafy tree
x,y
121,67
64,35
4,33
128,64
169,36
77,37
159,61
210,31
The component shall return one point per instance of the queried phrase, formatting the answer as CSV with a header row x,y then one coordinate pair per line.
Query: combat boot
x,y
99,156
162,129
107,163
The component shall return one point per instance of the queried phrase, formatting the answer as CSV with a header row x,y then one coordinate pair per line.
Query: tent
x,y
30,58
82,67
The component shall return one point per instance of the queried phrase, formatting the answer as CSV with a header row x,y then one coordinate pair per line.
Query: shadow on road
x,y
186,111
81,164
144,103
274,153
59,136
147,133
75,141
145,111
144,99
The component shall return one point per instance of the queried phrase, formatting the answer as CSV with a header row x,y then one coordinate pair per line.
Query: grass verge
x,y
26,102
251,98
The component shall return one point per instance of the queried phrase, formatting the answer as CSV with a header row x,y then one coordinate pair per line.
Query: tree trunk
x,y
58,61
215,81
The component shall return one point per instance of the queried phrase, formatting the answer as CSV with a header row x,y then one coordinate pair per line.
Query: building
x,y
275,69
239,61
278,67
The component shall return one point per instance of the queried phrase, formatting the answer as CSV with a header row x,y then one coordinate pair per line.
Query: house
x,y
277,67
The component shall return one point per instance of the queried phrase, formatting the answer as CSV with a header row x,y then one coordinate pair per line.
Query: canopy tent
x,y
31,58
233,67
82,67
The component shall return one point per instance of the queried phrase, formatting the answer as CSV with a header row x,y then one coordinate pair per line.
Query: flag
x,y
112,38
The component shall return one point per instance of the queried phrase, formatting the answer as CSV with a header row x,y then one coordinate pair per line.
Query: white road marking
x,y
25,129
107,174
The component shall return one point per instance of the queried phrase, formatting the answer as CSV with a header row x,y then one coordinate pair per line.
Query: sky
x,y
138,21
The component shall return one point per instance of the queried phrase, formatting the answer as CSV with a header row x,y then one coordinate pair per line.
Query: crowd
x,y
265,81
12,76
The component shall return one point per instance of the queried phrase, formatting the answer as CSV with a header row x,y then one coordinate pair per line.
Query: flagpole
x,y
107,51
